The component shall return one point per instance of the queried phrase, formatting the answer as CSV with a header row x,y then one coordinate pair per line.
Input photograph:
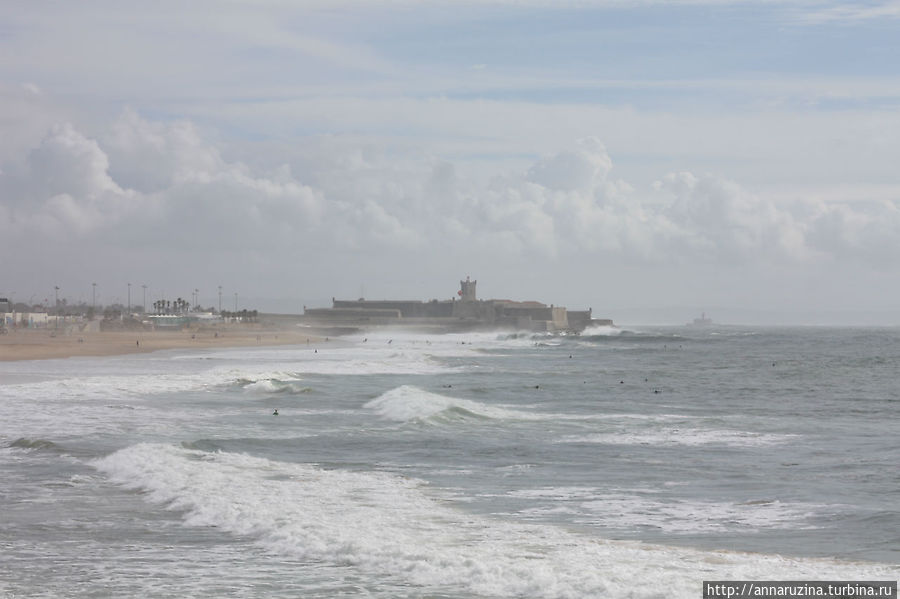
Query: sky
x,y
650,160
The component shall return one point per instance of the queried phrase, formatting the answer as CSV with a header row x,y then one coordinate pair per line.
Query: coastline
x,y
44,344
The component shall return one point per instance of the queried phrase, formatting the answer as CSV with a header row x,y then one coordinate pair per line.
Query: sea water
x,y
629,462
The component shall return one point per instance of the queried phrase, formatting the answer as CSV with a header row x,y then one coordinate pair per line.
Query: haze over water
x,y
621,463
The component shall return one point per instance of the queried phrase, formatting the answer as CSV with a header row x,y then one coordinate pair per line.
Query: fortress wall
x,y
559,318
579,319
406,308
481,310
347,314
436,309
518,311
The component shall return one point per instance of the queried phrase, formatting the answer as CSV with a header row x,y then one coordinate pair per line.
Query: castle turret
x,y
467,290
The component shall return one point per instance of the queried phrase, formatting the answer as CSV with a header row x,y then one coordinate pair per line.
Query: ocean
x,y
632,462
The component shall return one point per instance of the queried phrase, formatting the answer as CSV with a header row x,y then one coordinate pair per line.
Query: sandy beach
x,y
40,344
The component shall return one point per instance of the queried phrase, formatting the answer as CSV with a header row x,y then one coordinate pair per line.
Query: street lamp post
x,y
93,297
144,287
56,303
235,301
129,299
220,299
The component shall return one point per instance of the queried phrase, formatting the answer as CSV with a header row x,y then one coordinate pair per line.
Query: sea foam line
x,y
691,437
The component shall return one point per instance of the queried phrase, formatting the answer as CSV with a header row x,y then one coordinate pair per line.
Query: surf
x,y
392,527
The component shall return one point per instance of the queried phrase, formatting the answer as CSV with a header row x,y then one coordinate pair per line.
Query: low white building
x,y
27,319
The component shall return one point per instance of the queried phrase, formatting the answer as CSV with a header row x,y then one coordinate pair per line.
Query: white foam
x,y
391,527
602,331
639,508
273,385
408,403
156,374
119,386
684,436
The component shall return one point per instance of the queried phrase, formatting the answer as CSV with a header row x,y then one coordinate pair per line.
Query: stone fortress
x,y
465,313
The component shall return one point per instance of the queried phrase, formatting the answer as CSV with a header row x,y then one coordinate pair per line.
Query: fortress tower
x,y
467,290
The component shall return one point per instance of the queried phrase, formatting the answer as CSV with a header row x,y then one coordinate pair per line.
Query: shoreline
x,y
48,344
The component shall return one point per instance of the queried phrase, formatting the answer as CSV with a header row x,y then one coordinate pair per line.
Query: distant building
x,y
466,313
179,321
25,320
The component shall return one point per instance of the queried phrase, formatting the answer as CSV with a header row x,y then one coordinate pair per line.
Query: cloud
x,y
168,188
854,12
151,156
63,188
582,168
863,233
717,217
157,191
69,162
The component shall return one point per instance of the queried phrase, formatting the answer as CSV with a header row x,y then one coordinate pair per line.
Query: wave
x,y
131,385
392,527
409,403
635,338
36,445
273,385
677,516
685,436
604,331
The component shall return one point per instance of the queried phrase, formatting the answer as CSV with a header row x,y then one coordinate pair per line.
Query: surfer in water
x,y
275,413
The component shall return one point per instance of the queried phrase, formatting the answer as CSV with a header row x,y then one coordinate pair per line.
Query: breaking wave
x,y
36,445
392,528
409,403
274,385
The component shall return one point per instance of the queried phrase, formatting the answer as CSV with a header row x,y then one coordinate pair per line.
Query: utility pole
x,y
235,301
56,299
220,299
145,298
128,309
94,296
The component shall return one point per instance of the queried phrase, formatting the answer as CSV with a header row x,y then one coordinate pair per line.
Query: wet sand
x,y
41,344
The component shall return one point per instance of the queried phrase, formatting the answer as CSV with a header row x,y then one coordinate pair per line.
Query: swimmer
x,y
275,413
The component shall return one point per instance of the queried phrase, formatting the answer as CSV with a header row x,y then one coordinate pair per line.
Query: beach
x,y
40,344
